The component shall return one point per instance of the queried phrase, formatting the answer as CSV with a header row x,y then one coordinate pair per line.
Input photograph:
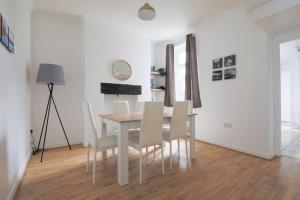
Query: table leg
x,y
192,137
104,133
123,154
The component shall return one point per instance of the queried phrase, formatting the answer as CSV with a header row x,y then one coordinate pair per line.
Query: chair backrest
x,y
190,107
121,107
89,118
139,106
179,118
151,125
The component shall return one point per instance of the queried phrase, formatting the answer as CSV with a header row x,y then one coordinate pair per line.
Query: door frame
x,y
275,112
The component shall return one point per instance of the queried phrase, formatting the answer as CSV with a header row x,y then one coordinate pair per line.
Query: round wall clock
x,y
121,70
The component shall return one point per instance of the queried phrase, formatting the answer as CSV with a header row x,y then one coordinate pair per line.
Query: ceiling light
x,y
146,12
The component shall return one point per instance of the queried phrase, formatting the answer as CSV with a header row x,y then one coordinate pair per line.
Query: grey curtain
x,y
191,72
170,79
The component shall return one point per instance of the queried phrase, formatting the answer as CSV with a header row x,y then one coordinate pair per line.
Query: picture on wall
x,y
0,26
11,43
217,63
217,75
229,61
4,32
230,73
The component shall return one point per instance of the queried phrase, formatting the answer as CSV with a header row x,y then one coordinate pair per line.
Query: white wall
x,y
242,102
58,39
15,97
86,50
103,45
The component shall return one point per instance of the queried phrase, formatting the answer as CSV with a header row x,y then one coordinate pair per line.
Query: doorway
x,y
290,98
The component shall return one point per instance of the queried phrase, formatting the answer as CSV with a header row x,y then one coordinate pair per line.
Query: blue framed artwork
x,y
11,42
4,32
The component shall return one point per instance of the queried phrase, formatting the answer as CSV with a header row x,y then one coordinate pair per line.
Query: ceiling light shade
x,y
146,12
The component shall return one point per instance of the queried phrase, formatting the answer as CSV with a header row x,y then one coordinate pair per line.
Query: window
x,y
179,65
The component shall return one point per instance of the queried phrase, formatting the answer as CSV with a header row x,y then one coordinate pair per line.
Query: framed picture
x,y
230,73
217,75
229,61
4,32
0,26
11,42
217,63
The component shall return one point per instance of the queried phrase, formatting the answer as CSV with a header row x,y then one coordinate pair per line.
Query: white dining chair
x,y
190,111
98,144
121,107
177,128
139,106
151,131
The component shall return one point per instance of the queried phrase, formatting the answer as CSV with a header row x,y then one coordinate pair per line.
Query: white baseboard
x,y
52,146
19,177
239,149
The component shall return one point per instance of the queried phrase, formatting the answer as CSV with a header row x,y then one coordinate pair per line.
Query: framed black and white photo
x,y
217,75
230,73
229,61
217,63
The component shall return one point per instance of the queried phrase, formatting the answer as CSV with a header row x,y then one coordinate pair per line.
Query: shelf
x,y
155,73
157,90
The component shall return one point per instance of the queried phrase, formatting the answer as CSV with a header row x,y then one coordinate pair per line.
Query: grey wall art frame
x,y
217,63
230,73
230,61
217,75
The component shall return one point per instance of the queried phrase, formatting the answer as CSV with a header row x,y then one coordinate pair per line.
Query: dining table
x,y
125,121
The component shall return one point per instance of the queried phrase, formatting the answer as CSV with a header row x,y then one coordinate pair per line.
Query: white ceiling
x,y
252,4
282,21
173,16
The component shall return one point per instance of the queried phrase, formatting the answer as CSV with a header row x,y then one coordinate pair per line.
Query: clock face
x,y
121,70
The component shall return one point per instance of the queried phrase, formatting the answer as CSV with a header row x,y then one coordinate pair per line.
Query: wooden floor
x,y
216,173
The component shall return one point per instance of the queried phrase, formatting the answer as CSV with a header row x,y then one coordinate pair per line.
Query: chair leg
x,y
94,166
162,160
87,159
170,154
178,143
141,157
187,153
113,155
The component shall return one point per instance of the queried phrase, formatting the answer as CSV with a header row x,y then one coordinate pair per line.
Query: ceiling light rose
x,y
146,12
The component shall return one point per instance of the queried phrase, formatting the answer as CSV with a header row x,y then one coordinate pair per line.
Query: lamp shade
x,y
146,12
50,73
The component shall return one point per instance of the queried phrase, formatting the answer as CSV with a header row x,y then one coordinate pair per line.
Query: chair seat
x,y
107,142
115,131
167,135
166,127
134,131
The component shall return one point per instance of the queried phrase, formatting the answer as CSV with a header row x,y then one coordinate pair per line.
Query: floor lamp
x,y
51,75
